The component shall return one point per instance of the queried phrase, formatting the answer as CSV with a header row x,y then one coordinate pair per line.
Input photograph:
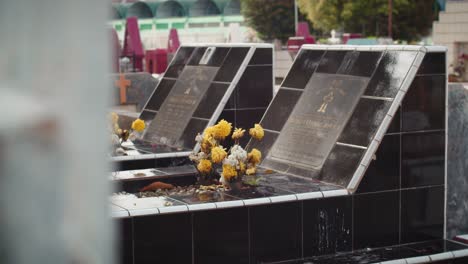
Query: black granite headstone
x,y
205,83
332,110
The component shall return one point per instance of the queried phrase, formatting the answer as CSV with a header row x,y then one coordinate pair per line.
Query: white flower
x,y
132,137
222,180
231,160
202,155
199,138
239,153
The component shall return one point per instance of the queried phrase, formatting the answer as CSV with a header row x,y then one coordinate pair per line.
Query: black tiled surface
x,y
395,125
196,56
247,118
262,56
327,226
211,100
231,64
255,88
178,63
376,219
125,240
384,171
433,63
390,73
280,109
221,236
156,237
257,192
366,63
305,64
423,108
195,126
276,232
348,63
147,115
331,61
341,165
422,214
423,156
364,122
218,57
160,94
265,144
378,255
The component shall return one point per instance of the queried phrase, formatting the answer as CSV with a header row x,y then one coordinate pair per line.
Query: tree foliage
x,y
411,18
271,19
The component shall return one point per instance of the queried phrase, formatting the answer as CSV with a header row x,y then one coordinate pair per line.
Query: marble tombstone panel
x,y
335,105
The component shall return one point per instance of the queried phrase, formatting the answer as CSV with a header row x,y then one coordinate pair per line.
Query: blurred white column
x,y
53,96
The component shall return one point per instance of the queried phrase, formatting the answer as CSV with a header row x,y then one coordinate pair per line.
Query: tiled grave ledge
x,y
147,151
436,251
273,188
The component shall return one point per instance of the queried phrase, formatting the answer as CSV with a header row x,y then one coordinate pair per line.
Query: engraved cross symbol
x,y
123,83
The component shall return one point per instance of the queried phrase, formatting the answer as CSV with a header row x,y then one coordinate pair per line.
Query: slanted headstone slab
x,y
204,83
333,108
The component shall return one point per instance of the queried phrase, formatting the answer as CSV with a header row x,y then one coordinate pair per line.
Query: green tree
x,y
411,18
271,19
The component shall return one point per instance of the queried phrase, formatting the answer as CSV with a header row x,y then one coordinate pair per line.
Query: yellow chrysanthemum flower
x,y
208,133
238,133
257,132
218,154
222,129
114,118
138,125
254,156
229,172
204,166
251,171
241,166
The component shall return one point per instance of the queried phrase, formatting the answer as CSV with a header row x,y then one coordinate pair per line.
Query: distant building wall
x,y
452,30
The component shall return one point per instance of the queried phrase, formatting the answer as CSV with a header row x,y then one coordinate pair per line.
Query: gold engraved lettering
x,y
330,96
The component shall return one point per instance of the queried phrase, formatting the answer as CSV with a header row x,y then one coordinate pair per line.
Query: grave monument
x,y
204,83
354,172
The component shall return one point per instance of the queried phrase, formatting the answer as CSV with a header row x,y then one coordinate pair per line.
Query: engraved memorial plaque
x,y
317,120
180,104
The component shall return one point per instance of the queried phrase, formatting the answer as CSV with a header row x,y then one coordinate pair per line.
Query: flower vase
x,y
236,184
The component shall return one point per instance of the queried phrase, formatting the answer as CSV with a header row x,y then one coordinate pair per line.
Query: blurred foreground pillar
x,y
53,98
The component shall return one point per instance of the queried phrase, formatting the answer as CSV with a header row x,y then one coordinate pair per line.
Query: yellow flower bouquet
x,y
234,164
